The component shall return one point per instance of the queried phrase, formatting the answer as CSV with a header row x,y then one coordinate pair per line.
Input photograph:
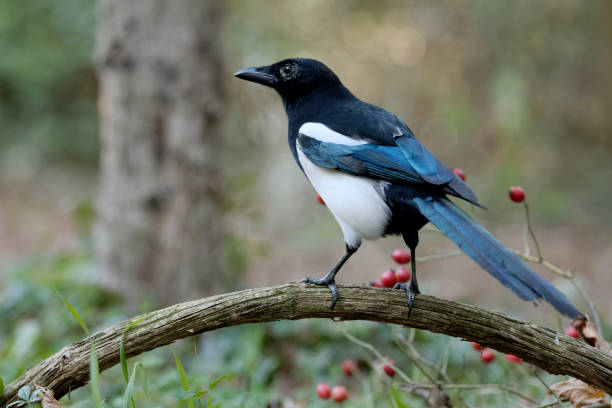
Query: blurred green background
x,y
514,93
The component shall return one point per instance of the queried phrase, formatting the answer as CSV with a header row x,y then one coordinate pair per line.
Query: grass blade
x,y
216,382
396,397
124,367
128,397
94,369
1,387
122,358
183,377
94,375
143,373
76,314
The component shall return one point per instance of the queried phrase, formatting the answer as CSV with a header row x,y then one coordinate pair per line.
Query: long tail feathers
x,y
491,254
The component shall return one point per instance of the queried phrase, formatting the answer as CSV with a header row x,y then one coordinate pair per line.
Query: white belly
x,y
355,202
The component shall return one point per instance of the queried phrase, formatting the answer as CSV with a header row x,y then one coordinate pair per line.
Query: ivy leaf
x,y
36,396
24,393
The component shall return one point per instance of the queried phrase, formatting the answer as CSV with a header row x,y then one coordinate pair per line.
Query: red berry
x,y
320,199
339,393
388,278
323,390
516,194
513,359
460,173
377,284
477,346
388,367
486,356
572,332
402,274
401,256
349,366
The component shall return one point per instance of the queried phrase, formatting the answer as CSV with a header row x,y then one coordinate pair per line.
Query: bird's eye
x,y
286,70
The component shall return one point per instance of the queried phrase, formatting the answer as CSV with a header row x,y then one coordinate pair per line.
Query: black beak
x,y
258,75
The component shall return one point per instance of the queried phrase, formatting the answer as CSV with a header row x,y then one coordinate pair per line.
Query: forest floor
x,y
37,219
41,243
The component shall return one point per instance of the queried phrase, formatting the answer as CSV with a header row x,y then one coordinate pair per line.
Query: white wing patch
x,y
324,134
356,202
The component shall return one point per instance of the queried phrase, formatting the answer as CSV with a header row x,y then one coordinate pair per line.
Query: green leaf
x,y
183,395
129,391
24,393
396,397
122,357
188,395
183,377
94,375
1,386
144,380
200,394
216,382
72,310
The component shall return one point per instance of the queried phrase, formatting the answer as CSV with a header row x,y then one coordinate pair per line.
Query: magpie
x,y
377,179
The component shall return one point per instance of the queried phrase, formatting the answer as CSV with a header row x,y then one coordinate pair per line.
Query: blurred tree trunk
x,y
161,100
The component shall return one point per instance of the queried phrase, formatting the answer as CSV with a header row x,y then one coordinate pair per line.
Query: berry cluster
x,y
349,367
338,393
390,277
487,356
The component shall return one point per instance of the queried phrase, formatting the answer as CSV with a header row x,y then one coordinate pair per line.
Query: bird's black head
x,y
293,78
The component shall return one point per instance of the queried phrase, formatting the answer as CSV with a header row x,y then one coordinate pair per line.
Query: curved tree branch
x,y
545,348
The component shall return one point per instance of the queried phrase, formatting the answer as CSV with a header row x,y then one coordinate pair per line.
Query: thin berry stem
x,y
533,237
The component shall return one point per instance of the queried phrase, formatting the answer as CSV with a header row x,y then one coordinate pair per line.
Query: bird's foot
x,y
325,281
411,289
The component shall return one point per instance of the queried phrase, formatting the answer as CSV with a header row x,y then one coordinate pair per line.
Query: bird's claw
x,y
330,283
411,289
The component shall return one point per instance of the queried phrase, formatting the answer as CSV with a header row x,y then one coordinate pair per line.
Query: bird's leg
x,y
329,279
412,288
